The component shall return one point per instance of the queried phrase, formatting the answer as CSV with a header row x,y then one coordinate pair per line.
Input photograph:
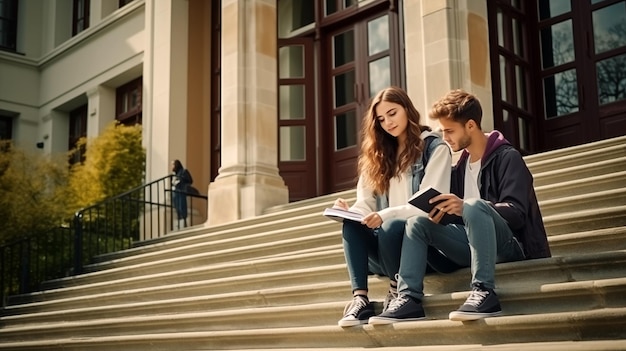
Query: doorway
x,y
558,71
329,67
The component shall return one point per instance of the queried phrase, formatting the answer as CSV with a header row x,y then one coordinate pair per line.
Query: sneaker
x,y
392,294
358,311
400,309
482,302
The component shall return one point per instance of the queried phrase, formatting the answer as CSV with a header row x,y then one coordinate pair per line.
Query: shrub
x,y
114,163
33,192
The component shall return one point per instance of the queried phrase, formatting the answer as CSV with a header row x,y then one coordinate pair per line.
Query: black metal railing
x,y
115,224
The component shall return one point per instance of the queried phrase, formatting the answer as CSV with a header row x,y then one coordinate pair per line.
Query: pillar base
x,y
237,196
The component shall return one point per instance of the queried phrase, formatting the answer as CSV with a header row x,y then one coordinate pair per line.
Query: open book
x,y
339,214
420,200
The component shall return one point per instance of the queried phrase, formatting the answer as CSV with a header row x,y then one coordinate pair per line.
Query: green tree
x,y
114,163
33,192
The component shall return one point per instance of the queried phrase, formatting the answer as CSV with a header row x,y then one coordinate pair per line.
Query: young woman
x,y
398,157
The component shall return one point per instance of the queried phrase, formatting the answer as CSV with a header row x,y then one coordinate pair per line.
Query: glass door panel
x,y
553,8
295,16
609,27
345,125
611,76
379,75
343,48
560,94
291,102
293,143
344,88
378,35
557,44
291,61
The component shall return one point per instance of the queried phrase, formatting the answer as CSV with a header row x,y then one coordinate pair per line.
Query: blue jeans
x,y
487,241
180,204
372,250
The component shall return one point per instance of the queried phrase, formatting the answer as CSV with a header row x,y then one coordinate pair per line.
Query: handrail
x,y
116,223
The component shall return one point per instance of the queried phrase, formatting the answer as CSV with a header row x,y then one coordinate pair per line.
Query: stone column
x,y
165,86
248,180
448,45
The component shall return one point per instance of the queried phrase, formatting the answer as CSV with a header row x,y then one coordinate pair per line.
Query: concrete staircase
x,y
278,281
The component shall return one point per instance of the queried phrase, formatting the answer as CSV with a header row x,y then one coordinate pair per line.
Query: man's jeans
x,y
488,240
372,250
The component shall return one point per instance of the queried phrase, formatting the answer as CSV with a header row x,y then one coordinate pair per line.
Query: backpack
x,y
419,168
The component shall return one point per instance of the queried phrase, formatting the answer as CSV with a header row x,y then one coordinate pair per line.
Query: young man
x,y
499,218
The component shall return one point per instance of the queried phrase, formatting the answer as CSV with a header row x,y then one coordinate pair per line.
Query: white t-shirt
x,y
471,180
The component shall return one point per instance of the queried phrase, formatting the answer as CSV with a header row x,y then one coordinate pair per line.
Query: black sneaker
x,y
358,311
392,294
400,309
482,302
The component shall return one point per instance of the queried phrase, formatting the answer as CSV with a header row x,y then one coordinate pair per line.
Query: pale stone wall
x,y
58,73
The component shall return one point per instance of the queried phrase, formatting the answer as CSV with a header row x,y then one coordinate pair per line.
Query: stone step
x,y
598,240
575,150
597,345
206,244
528,299
585,220
593,169
593,200
568,242
611,181
119,279
325,233
576,159
597,324
561,245
271,224
605,265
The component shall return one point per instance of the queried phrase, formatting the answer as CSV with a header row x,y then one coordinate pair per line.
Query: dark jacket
x,y
183,180
507,184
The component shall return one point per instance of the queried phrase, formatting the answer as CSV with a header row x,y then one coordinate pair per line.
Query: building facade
x,y
262,99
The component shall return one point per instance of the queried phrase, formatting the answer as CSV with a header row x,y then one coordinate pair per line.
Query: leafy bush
x,y
33,192
114,163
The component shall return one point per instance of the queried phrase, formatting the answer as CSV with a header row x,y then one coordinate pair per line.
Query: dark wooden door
x,y
296,117
361,58
559,71
583,71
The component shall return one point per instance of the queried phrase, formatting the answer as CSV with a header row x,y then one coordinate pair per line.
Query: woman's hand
x,y
450,203
341,203
372,220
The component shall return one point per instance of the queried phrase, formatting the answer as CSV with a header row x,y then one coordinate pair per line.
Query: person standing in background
x,y
180,185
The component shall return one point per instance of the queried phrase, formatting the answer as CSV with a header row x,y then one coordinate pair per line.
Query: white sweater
x,y
436,174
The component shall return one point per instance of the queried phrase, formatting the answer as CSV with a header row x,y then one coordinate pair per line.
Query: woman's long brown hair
x,y
378,161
